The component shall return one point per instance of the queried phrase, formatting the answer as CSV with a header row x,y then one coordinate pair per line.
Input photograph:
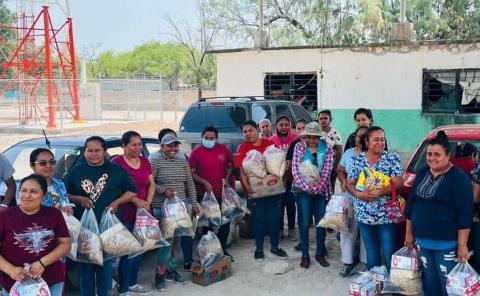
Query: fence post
x,y
161,105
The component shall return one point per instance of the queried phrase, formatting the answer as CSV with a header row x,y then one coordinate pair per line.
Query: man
x,y
332,137
210,163
6,175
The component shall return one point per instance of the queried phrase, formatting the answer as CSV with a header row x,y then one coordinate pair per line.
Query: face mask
x,y
208,144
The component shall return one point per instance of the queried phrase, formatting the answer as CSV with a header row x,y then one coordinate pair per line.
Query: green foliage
x,y
7,41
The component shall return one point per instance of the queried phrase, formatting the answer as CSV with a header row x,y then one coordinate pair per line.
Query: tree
x,y
196,40
7,36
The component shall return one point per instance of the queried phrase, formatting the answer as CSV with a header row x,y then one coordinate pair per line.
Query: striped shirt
x,y
174,174
323,187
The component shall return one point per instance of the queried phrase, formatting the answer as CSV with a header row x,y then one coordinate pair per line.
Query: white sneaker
x,y
138,290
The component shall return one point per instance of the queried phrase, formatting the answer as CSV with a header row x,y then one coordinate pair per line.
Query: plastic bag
x,y
337,214
73,226
89,244
116,240
147,231
233,206
463,280
176,221
309,172
405,271
254,164
209,249
211,210
30,287
275,161
370,180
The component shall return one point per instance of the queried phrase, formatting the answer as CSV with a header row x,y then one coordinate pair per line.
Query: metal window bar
x,y
292,86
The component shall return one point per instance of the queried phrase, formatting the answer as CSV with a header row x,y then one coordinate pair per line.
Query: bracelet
x,y
3,205
41,263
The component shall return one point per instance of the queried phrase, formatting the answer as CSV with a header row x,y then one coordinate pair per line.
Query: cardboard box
x,y
215,273
266,186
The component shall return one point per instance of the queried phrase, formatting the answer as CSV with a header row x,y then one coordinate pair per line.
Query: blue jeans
x,y
378,237
186,242
306,206
266,214
55,290
128,268
436,264
101,275
288,202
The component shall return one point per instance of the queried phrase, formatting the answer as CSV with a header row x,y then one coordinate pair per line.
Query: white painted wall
x,y
380,78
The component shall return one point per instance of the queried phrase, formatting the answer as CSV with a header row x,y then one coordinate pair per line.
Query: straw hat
x,y
312,129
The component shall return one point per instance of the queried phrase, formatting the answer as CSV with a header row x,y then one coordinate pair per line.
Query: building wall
x,y
387,79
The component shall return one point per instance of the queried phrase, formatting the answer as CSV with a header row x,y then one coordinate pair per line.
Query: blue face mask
x,y
208,144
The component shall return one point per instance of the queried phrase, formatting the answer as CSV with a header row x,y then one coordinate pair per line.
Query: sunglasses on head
x,y
43,163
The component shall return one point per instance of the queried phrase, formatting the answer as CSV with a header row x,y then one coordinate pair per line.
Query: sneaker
x,y
124,294
139,290
279,252
228,254
305,263
347,270
159,283
298,247
187,266
323,262
259,256
174,276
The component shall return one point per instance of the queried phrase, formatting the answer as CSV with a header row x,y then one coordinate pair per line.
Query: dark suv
x,y
228,114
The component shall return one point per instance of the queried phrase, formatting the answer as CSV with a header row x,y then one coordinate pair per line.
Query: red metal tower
x,y
41,66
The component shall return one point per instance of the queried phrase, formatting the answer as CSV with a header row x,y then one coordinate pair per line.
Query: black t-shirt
x,y
289,155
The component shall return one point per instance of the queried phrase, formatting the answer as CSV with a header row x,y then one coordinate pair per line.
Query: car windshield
x,y
227,119
463,154
19,157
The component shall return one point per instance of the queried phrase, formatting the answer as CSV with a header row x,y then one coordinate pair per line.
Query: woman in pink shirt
x,y
139,169
284,135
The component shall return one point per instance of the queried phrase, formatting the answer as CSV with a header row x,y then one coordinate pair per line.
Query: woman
x,y
377,230
34,234
266,210
362,117
139,169
333,138
42,162
266,130
348,241
439,215
98,184
312,197
283,139
172,176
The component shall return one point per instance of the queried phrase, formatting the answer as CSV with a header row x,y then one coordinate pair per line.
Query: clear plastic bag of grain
x,y
337,214
89,245
275,161
116,240
211,210
463,280
405,271
176,220
73,226
309,172
147,231
209,249
254,164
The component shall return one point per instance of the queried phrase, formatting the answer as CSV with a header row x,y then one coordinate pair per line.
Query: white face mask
x,y
208,143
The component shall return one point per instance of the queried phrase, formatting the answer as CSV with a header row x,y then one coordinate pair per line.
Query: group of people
x,y
439,212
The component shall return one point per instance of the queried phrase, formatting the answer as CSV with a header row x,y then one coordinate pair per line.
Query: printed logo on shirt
x,y
94,191
34,239
221,157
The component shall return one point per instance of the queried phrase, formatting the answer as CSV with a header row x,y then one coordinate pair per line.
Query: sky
x,y
120,25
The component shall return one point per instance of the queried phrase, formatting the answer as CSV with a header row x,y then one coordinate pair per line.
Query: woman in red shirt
x,y
266,210
34,234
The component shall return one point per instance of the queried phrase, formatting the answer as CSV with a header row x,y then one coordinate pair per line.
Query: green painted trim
x,y
404,128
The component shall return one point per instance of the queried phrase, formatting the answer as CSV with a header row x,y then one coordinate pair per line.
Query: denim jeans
x,y
436,264
288,203
91,274
165,255
186,242
475,236
55,290
378,238
128,268
306,205
266,213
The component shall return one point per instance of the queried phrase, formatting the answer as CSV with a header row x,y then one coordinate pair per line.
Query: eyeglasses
x,y
44,163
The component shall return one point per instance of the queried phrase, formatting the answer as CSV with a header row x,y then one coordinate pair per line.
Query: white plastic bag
x,y
309,172
254,164
89,244
147,231
116,240
73,226
30,287
233,206
337,214
275,161
209,249
405,271
211,210
463,280
176,221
